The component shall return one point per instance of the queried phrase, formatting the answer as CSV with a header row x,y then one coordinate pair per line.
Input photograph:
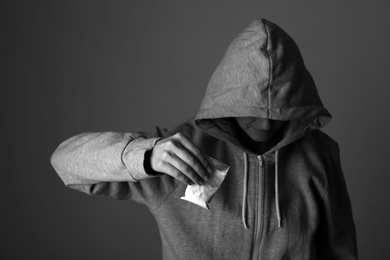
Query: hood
x,y
262,74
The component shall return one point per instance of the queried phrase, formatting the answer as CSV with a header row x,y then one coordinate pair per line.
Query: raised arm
x,y
90,158
104,163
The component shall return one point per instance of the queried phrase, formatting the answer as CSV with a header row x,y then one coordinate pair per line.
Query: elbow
x,y
57,160
60,164
54,160
63,157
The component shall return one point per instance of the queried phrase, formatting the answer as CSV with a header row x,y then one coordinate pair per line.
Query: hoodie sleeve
x,y
337,234
103,163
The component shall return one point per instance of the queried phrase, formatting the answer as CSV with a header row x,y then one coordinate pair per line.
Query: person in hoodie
x,y
284,196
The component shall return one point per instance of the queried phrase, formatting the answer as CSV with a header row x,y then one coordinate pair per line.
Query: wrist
x,y
148,166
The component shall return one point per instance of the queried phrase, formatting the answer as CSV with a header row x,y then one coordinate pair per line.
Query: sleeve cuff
x,y
134,155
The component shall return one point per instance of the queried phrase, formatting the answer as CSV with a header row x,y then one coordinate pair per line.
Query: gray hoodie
x,y
289,203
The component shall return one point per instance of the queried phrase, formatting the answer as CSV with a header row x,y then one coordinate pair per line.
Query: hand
x,y
180,158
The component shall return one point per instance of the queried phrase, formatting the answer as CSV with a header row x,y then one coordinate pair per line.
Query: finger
x,y
186,169
205,168
177,174
188,163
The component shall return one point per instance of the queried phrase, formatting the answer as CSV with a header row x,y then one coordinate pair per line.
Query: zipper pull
x,y
260,160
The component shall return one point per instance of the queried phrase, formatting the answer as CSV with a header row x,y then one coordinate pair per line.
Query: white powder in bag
x,y
201,195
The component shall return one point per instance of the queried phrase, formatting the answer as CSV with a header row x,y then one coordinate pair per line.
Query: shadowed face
x,y
259,129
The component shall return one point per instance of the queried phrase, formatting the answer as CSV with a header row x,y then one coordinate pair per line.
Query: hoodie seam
x,y
168,196
269,68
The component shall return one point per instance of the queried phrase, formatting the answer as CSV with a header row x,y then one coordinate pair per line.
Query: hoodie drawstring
x,y
245,191
277,189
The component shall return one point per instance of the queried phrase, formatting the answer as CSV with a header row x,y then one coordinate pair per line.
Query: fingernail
x,y
206,177
210,170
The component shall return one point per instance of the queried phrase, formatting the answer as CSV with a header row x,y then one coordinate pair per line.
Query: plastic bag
x,y
201,195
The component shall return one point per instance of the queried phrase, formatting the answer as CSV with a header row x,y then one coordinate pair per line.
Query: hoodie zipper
x,y
259,213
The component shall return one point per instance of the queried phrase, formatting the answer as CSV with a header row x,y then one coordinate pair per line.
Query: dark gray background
x,y
74,66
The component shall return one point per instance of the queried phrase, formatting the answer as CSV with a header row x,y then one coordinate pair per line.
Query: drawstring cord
x,y
277,189
245,192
